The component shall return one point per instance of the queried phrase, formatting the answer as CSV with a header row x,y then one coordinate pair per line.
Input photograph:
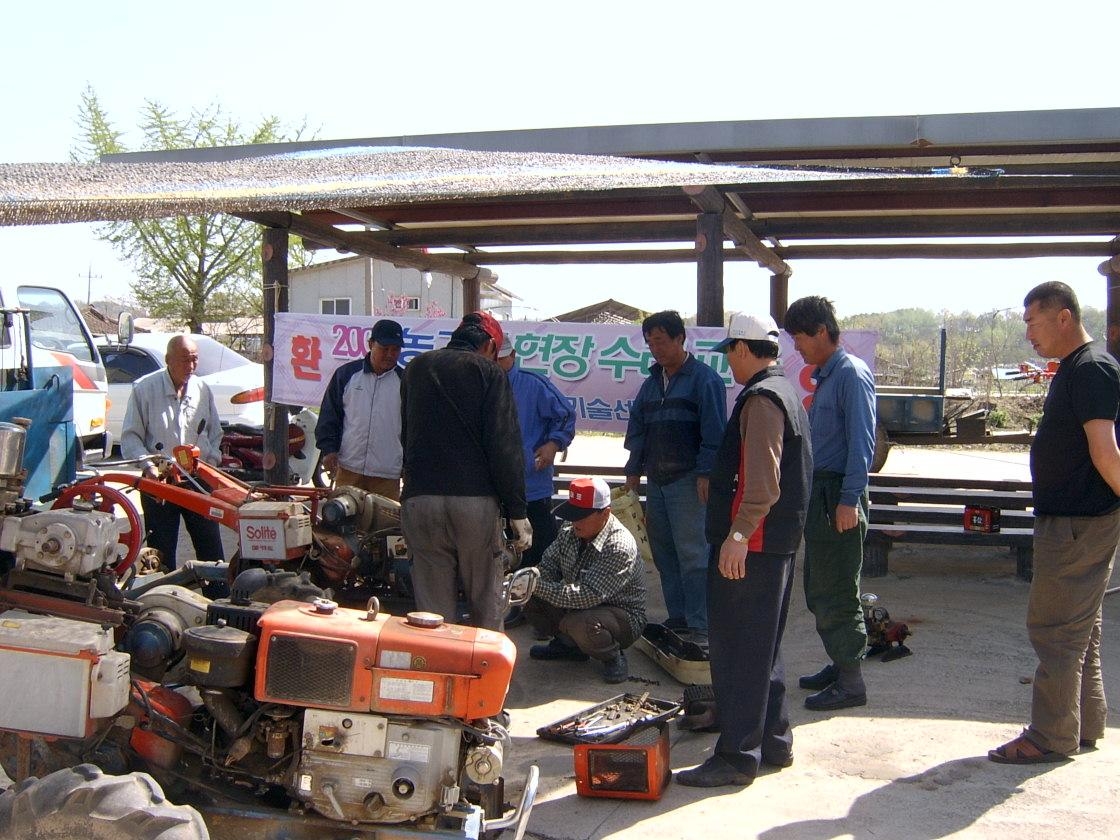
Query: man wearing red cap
x,y
462,466
591,596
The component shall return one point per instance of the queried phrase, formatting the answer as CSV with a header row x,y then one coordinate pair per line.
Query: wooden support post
x,y
472,295
779,297
1112,311
709,270
274,256
1110,268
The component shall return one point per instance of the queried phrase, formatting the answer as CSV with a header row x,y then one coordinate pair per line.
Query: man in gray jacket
x,y
359,428
168,408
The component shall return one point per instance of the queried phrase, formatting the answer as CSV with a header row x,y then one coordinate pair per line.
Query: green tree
x,y
907,352
189,269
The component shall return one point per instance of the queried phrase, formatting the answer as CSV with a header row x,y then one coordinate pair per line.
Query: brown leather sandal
x,y
1023,750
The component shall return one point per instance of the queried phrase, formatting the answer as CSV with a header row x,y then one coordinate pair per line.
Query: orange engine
x,y
330,657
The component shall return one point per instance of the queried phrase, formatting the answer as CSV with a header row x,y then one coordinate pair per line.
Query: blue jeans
x,y
675,521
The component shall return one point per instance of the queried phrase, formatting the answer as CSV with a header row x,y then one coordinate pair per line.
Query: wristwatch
x,y
737,536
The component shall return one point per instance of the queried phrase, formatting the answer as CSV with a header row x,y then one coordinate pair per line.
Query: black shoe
x,y
557,650
1088,744
675,624
715,772
780,760
825,677
834,697
615,669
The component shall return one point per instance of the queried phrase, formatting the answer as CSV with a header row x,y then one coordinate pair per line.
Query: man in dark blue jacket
x,y
359,428
676,424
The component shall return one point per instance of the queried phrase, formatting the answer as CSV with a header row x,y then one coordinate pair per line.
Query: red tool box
x,y
981,518
637,768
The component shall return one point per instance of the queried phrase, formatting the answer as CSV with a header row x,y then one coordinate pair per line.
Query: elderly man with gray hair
x,y
168,408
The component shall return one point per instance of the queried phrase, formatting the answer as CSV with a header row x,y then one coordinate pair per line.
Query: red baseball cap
x,y
489,325
585,497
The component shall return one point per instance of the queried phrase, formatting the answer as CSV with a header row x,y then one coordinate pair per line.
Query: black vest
x,y
781,529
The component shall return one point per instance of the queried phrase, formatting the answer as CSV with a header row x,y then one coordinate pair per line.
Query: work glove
x,y
523,534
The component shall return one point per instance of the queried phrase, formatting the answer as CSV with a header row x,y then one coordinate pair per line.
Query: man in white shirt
x,y
169,408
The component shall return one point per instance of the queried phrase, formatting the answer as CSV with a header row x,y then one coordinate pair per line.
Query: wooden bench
x,y
907,509
914,509
563,473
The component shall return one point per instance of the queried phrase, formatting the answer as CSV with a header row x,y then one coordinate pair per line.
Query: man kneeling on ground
x,y
591,596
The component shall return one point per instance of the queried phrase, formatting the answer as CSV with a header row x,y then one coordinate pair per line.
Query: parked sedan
x,y
236,382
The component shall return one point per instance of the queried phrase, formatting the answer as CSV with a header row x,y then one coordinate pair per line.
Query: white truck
x,y
60,338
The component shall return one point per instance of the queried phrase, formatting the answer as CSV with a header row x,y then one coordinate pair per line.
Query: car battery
x,y
636,768
981,518
60,677
274,530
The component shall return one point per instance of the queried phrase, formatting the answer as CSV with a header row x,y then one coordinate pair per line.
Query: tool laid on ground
x,y
884,636
610,721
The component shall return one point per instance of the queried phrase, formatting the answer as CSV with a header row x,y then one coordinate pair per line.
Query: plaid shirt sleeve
x,y
591,574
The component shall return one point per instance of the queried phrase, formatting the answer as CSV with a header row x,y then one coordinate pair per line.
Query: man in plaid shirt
x,y
591,596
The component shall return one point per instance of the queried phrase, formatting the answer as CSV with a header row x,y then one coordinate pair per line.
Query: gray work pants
x,y
600,632
455,541
1073,558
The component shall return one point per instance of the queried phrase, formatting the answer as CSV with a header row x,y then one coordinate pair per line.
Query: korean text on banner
x,y
598,367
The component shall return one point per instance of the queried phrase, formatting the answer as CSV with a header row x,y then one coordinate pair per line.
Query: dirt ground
x,y
911,765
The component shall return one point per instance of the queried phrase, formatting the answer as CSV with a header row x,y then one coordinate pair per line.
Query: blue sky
x,y
352,70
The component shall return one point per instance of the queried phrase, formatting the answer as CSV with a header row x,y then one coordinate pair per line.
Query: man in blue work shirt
x,y
675,427
548,425
842,420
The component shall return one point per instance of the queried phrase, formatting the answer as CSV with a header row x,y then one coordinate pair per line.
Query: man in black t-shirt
x,y
1075,467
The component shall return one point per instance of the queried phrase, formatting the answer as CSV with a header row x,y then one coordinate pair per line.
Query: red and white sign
x,y
273,530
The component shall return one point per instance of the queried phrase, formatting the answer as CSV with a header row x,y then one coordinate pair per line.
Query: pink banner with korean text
x,y
598,367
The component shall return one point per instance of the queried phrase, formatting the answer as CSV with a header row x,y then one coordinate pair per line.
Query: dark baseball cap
x,y
387,333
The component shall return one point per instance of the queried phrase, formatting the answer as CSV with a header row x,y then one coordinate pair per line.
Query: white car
x,y
236,382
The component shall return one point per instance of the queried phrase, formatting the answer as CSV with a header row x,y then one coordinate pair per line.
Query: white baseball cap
x,y
749,328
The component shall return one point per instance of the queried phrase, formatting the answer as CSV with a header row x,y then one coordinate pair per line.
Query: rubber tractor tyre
x,y
82,802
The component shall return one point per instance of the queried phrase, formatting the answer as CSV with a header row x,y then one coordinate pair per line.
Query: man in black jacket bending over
x,y
462,465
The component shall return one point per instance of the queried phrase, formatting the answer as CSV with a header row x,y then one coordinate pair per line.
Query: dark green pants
x,y
832,567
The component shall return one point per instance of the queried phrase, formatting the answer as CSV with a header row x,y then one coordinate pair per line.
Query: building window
x,y
334,306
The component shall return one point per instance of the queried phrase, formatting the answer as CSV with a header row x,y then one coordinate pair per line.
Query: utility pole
x,y
90,277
